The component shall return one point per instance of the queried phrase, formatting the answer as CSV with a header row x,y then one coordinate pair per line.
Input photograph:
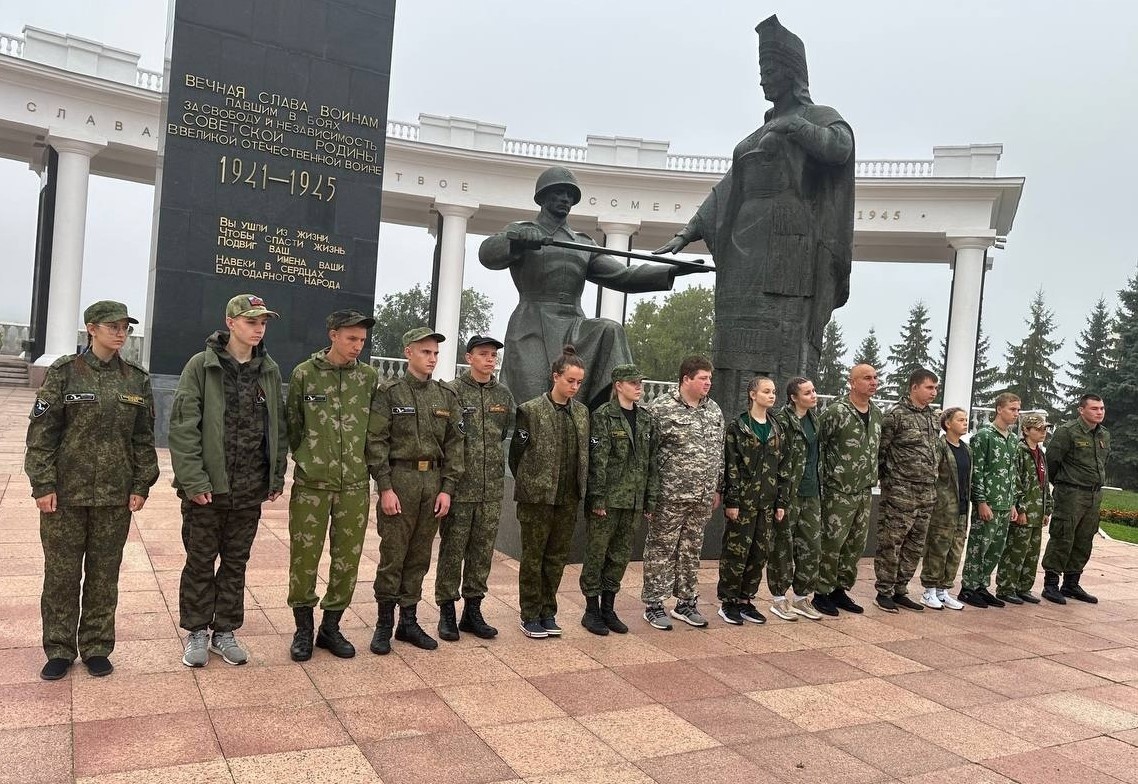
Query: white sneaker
x,y
782,609
803,607
929,599
948,600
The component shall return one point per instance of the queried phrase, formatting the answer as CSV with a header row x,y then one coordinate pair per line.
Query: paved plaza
x,y
1038,695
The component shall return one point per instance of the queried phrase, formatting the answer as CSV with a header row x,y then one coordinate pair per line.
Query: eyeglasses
x,y
118,329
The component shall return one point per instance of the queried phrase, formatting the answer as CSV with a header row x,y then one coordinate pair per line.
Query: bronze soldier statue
x,y
780,228
550,281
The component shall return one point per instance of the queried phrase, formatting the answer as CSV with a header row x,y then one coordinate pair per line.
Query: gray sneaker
x,y
806,610
688,613
197,649
224,644
655,615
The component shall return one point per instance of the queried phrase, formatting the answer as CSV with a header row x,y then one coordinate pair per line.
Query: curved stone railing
x,y
12,45
556,152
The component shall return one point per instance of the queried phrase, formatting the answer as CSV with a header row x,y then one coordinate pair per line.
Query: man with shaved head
x,y
849,433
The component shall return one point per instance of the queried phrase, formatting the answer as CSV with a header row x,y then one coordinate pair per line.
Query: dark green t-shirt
x,y
761,429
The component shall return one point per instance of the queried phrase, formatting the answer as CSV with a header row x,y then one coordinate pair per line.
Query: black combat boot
x,y
608,614
472,620
1051,588
1072,590
410,631
301,649
591,620
381,640
448,626
329,637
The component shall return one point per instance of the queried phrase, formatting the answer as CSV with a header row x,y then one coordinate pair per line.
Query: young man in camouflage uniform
x,y
328,410
1020,560
797,546
229,446
91,463
756,486
467,533
623,486
994,459
849,432
418,463
1076,463
907,465
690,431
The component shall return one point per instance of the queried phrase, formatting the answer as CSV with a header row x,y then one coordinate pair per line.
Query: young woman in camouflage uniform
x,y
91,462
948,525
756,486
549,458
1020,559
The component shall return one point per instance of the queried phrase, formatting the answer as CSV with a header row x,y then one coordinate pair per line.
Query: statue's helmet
x,y
554,176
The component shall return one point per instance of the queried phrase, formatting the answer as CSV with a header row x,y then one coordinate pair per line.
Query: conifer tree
x,y
985,377
1121,391
911,352
832,370
1094,356
1029,366
869,353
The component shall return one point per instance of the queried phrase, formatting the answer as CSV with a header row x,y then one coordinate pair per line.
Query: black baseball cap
x,y
482,340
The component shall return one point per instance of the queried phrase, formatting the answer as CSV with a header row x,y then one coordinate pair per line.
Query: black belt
x,y
417,465
1089,488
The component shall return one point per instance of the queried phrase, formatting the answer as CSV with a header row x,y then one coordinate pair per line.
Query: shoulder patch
x,y
40,407
462,425
594,442
523,436
80,397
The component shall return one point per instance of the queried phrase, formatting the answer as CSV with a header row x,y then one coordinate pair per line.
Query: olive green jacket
x,y
946,507
1032,499
907,453
757,473
622,466
788,419
1077,455
328,409
197,423
416,420
535,450
487,411
91,433
847,449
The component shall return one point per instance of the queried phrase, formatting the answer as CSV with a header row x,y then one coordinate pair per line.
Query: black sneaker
x,y
1028,597
729,611
750,613
885,602
99,666
972,599
1009,598
903,600
987,596
842,601
55,669
824,604
534,629
551,627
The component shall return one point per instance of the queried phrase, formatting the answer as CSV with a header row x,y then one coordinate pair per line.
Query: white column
x,y
70,227
452,258
964,319
617,236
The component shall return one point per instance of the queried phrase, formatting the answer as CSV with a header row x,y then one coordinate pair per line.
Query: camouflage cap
x,y
248,306
627,373
349,318
482,340
105,311
420,333
1033,420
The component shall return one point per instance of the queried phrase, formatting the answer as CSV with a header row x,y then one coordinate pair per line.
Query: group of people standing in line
x,y
795,486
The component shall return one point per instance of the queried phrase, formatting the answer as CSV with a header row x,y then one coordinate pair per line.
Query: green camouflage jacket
x,y
536,449
847,449
757,473
689,449
946,507
328,409
416,420
791,425
994,461
1077,455
908,453
1032,499
91,433
487,411
622,467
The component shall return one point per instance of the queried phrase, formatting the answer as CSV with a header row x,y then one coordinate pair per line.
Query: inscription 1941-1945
x,y
271,170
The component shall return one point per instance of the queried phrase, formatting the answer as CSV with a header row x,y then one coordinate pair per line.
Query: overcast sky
x,y
1056,86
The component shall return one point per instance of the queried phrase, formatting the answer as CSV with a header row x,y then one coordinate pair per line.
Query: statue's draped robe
x,y
780,228
550,282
